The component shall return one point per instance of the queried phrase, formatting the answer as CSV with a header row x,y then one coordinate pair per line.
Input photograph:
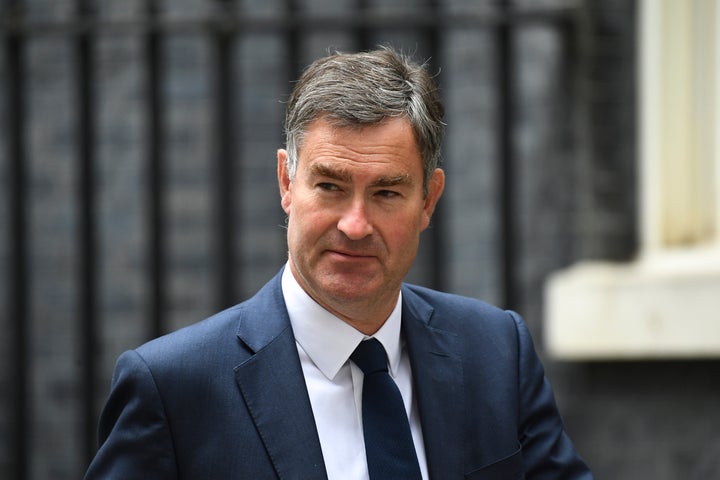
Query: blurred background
x,y
137,160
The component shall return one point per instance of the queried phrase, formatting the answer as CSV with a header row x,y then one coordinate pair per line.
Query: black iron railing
x,y
223,28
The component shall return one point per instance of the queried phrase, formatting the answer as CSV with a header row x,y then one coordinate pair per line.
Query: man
x,y
272,388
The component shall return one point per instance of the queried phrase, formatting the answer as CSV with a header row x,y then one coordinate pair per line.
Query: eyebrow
x,y
324,170
344,175
393,181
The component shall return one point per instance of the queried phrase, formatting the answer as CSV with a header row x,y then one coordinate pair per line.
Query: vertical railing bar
x,y
293,39
568,92
18,236
362,33
226,220
291,35
292,32
155,173
437,231
506,159
87,251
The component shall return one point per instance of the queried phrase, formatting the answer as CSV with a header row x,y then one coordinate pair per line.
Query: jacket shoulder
x,y
254,321
448,309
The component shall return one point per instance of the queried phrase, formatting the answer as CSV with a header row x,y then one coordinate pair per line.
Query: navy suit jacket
x,y
226,399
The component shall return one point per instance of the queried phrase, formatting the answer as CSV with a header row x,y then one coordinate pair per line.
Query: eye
x,y
387,193
327,186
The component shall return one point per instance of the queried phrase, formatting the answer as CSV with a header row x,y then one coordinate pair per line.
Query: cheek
x,y
306,220
402,234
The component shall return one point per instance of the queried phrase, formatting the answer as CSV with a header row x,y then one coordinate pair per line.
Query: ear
x,y
284,181
436,185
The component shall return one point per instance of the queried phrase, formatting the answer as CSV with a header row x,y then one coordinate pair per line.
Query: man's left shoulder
x,y
449,309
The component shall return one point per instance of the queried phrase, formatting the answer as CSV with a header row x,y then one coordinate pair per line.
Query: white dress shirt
x,y
334,383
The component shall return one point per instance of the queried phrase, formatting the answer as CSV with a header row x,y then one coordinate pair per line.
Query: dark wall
x,y
572,153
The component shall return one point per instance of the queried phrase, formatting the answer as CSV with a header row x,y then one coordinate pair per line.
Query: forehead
x,y
390,142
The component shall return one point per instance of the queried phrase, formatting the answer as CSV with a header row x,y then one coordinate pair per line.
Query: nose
x,y
354,222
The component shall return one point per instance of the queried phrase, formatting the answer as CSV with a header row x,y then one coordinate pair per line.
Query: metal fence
x,y
222,26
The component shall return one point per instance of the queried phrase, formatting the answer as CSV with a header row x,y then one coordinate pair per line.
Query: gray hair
x,y
363,89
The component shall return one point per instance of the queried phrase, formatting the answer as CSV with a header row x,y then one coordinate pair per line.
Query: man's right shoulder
x,y
216,335
195,339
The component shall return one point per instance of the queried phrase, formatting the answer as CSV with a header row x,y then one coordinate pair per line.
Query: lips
x,y
352,254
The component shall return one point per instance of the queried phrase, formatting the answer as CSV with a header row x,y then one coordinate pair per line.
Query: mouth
x,y
350,255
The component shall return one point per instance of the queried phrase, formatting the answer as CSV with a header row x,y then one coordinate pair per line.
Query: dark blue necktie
x,y
388,443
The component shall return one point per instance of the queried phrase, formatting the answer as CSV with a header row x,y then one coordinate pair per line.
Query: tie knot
x,y
370,356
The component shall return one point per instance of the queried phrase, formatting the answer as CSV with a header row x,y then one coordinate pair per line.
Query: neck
x,y
366,317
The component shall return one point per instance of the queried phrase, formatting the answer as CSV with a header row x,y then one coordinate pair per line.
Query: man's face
x,y
355,212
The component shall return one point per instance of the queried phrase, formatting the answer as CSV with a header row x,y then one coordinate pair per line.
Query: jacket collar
x,y
435,358
272,384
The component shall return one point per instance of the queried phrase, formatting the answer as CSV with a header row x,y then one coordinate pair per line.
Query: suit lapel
x,y
438,381
272,383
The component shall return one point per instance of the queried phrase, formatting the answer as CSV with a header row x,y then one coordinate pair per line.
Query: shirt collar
x,y
328,340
